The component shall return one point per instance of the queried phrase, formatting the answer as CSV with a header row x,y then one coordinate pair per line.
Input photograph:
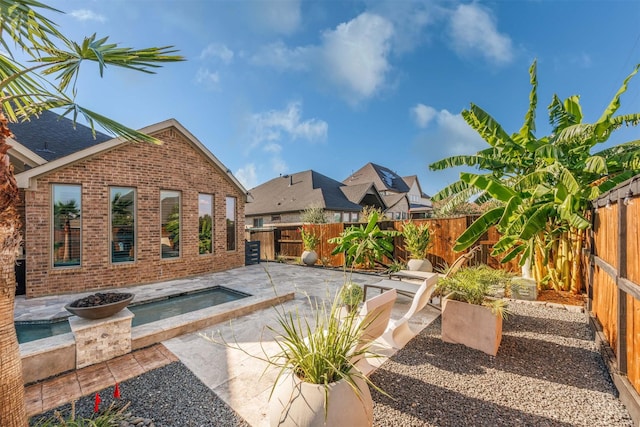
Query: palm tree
x,y
544,185
49,81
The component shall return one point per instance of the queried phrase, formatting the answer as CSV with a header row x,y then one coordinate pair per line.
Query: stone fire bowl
x,y
100,311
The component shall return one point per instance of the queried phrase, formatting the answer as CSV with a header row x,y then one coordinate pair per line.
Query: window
x,y
205,221
258,222
231,223
123,222
170,224
67,225
337,217
354,217
275,218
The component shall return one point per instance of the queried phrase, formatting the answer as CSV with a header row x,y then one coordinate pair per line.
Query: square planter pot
x,y
472,325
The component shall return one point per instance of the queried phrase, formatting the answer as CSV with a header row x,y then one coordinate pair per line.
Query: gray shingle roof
x,y
382,177
298,191
51,136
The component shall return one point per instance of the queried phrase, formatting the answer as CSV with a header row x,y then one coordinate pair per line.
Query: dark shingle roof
x,y
51,136
382,177
298,191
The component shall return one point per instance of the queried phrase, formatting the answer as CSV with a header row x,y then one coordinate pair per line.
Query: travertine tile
x,y
124,367
33,399
60,390
95,378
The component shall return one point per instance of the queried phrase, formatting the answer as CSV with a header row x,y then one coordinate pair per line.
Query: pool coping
x,y
51,356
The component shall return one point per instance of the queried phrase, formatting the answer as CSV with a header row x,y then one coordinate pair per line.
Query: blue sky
x,y
275,87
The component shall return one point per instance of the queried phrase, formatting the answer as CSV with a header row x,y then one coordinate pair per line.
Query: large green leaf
x,y
596,164
529,126
604,121
536,221
494,187
477,229
488,128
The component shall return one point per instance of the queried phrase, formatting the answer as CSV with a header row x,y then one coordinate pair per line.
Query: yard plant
x,y
543,185
480,285
364,245
49,81
310,240
417,239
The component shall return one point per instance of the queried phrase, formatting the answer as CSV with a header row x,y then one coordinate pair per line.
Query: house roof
x,y
298,191
25,179
364,195
51,136
393,199
413,179
383,178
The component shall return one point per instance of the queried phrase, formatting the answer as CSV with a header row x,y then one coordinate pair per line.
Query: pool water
x,y
145,312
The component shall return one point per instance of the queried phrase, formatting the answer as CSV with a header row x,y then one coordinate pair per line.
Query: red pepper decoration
x,y
96,406
116,391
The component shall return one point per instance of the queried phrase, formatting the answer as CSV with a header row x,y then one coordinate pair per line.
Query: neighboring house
x,y
400,195
283,199
420,203
106,213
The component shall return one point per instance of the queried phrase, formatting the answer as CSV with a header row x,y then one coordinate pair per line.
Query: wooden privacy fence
x,y
613,286
285,241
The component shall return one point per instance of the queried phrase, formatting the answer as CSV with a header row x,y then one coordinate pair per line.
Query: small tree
x,y
314,215
417,239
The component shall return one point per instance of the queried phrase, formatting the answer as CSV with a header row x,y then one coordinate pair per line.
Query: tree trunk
x,y
12,404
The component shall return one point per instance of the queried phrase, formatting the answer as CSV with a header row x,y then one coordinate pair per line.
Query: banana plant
x,y
544,185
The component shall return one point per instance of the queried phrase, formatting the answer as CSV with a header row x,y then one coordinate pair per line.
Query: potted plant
x,y
417,240
310,242
318,383
472,307
351,295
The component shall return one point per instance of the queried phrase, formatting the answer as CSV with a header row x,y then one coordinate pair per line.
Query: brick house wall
x,y
175,165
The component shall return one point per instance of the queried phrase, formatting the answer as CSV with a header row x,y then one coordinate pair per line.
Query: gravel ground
x,y
547,373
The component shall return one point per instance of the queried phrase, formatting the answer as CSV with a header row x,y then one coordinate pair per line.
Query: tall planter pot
x,y
296,403
472,325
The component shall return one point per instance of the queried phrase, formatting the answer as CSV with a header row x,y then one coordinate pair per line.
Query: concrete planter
x,y
419,265
296,403
309,257
472,325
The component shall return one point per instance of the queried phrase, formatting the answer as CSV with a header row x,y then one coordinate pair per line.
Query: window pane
x,y
231,223
170,218
66,225
123,223
205,219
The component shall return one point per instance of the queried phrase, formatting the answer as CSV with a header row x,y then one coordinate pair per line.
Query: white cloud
x,y
355,55
273,148
278,165
423,115
473,32
275,125
460,137
208,78
87,15
247,175
280,57
282,16
218,51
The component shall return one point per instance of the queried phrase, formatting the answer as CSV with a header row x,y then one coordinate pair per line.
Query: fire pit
x,y
99,305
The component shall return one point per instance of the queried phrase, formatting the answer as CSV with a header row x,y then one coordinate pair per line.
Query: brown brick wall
x,y
174,165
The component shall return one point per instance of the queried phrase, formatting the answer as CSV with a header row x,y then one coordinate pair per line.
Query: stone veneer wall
x,y
103,339
174,165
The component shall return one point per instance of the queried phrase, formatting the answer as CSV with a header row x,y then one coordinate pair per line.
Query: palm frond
x,y
529,127
26,27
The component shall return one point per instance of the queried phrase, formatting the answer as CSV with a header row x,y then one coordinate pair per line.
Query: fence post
x,y
621,344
